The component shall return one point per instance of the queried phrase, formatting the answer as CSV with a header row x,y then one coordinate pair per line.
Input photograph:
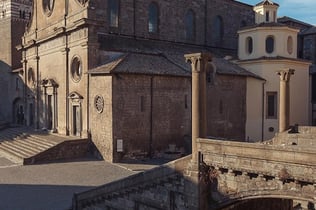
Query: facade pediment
x,y
75,95
49,15
49,83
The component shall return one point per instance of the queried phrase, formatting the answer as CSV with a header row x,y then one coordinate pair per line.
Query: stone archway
x,y
75,113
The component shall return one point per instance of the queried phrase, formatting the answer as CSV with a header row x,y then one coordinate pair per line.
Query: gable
x,y
49,17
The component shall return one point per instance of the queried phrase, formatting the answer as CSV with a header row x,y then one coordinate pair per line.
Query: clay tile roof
x,y
150,57
140,63
227,67
311,30
267,2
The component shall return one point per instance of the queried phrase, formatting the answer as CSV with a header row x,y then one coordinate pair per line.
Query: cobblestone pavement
x,y
51,186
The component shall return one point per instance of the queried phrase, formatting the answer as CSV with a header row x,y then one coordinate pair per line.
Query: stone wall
x,y
226,107
133,20
244,171
147,112
67,150
101,122
163,188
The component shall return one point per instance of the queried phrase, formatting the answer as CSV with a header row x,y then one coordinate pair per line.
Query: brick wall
x,y
133,20
150,113
226,108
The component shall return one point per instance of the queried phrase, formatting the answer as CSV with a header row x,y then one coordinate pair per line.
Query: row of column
x,y
199,62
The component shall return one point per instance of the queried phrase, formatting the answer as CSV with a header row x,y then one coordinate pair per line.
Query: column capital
x,y
285,74
195,60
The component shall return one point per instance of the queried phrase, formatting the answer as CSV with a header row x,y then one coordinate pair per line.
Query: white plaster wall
x,y
299,94
254,109
259,36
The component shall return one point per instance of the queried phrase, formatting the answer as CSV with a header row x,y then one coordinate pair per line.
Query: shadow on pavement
x,y
37,197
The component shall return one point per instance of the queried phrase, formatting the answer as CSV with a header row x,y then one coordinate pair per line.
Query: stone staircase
x,y
158,188
22,145
304,136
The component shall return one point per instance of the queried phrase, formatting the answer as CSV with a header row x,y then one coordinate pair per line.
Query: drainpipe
x,y
134,18
37,88
26,111
262,112
67,87
151,117
205,23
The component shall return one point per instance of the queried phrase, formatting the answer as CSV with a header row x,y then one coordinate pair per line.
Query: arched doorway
x,y
18,111
50,104
76,113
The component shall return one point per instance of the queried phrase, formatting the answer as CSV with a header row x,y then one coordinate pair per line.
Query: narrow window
x,y
271,105
274,16
221,108
269,44
113,11
290,45
218,31
142,103
186,101
249,45
190,25
243,23
17,84
153,18
267,16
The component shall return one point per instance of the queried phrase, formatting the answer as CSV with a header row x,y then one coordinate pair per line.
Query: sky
x,y
303,10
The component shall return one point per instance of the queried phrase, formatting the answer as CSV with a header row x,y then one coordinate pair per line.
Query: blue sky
x,y
304,10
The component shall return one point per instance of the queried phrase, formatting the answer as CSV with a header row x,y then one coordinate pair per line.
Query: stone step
x,y
29,145
16,149
11,134
33,144
11,155
41,141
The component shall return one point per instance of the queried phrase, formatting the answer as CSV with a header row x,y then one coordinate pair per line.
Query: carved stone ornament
x,y
48,6
99,103
82,1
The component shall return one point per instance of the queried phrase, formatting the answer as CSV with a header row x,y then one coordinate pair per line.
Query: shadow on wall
x,y
5,77
168,187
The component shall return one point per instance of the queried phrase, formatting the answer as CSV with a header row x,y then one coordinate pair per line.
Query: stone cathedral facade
x,y
114,71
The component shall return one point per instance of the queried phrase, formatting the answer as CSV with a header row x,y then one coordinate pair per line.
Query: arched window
x,y
267,16
218,29
30,76
243,23
113,11
190,25
153,18
269,44
249,45
290,45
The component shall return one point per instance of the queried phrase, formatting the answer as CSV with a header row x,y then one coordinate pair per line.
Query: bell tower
x,y
266,12
14,16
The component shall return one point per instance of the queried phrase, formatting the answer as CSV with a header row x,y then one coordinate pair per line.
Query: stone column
x,y
198,63
284,99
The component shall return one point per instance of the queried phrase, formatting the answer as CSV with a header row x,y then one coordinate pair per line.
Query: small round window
x,y
76,69
290,45
48,6
99,103
270,44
